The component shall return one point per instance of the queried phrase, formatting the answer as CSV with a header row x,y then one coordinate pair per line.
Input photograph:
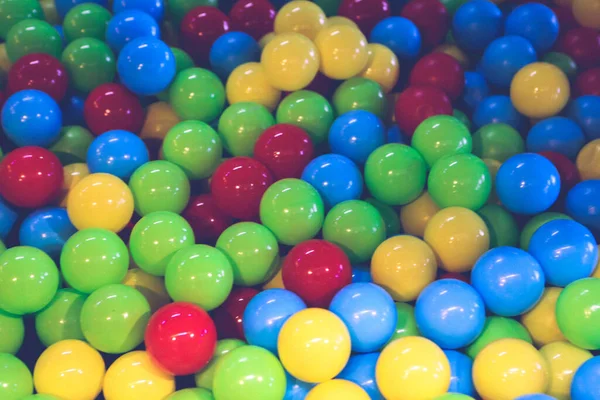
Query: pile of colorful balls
x,y
299,200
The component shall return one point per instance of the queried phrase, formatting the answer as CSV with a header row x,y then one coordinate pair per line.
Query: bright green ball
x,y
182,61
390,217
40,397
86,20
197,93
441,136
501,225
498,142
72,144
32,36
497,328
578,314
293,210
156,238
191,394
240,126
453,396
16,381
178,8
14,11
395,174
360,94
61,319
114,318
204,378
90,63
12,332
309,111
159,186
535,223
201,275
406,324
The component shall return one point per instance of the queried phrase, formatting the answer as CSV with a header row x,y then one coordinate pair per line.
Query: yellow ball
x,y
412,368
458,237
249,83
5,62
382,67
152,287
596,273
588,161
277,281
100,201
134,376
587,13
337,389
403,265
540,321
563,361
509,368
73,173
343,51
49,8
160,118
415,216
337,20
314,345
69,370
539,90
303,17
291,61
453,51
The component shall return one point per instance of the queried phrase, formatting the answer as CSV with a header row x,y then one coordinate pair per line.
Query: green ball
x,y
535,223
159,186
156,238
395,174
16,381
329,7
461,180
90,63
201,275
452,5
93,258
390,217
249,373
406,324
497,328
360,94
462,117
86,20
178,8
182,61
309,111
32,36
204,378
40,397
498,142
61,319
293,210
14,11
240,126
197,93
501,225
356,227
12,332
195,147
72,145
441,136
191,394
563,62
28,280
578,314
114,318
453,396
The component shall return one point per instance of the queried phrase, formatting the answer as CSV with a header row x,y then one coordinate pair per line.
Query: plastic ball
x,y
557,134
389,215
248,83
154,8
61,319
7,220
46,229
497,142
576,314
72,145
504,57
231,50
476,89
160,118
198,94
150,286
564,360
32,36
112,107
360,94
360,370
229,317
586,165
86,20
206,218
535,223
565,63
583,110
588,82
585,381
454,396
64,6
118,153
205,378
254,17
581,203
240,126
200,28
309,111
16,378
41,72
536,23
415,215
431,17
476,24
337,387
417,103
130,24
303,17
441,71
12,12
12,329
191,394
382,67
461,381
501,225
89,63
497,328
356,134
343,51
366,14
400,35
497,109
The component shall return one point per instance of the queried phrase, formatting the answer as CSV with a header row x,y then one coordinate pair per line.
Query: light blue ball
x,y
475,24
47,229
356,134
128,25
155,8
504,57
586,381
118,153
400,35
536,23
497,110
461,380
361,370
583,203
558,134
585,110
537,396
476,89
296,389
361,273
231,50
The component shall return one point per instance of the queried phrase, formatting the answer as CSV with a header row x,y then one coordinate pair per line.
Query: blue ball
x,y
497,110
61,33
400,35
231,50
64,6
154,8
335,177
72,109
586,381
395,135
536,23
296,389
265,315
361,273
31,118
369,313
585,110
7,219
450,313
356,134
146,66
583,203
527,184
536,396
558,134
504,57
117,153
475,24
361,370
47,229
566,250
510,280
476,89
461,366
128,25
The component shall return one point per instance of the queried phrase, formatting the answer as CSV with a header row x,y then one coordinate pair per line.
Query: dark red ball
x,y
316,270
440,70
569,175
255,17
432,19
206,219
181,338
417,103
565,17
582,45
199,29
323,85
41,72
588,83
30,177
237,186
229,316
365,13
111,106
455,275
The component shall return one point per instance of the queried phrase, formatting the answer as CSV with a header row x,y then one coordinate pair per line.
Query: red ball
x,y
588,83
30,177
237,186
455,275
199,29
417,103
316,270
181,338
569,175
582,45
255,17
365,13
229,316
206,219
284,149
111,106
432,19
440,70
41,72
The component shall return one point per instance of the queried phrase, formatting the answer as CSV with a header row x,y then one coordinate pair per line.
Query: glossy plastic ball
x,y
461,366
540,321
12,12
583,110
337,387
231,50
382,67
497,328
359,93
61,318
356,134
309,111
582,203
588,83
154,8
535,22
585,381
497,142
255,17
476,89
86,20
576,314
130,24
441,71
497,109
303,17
360,369
343,51
502,226
400,35
41,72
504,57
118,153
440,136
557,134
90,63
417,103
564,360
476,24
415,215
112,107
64,6
248,83
431,17
585,161
199,29
198,94
46,229
13,333
206,218
229,317
241,124
32,36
